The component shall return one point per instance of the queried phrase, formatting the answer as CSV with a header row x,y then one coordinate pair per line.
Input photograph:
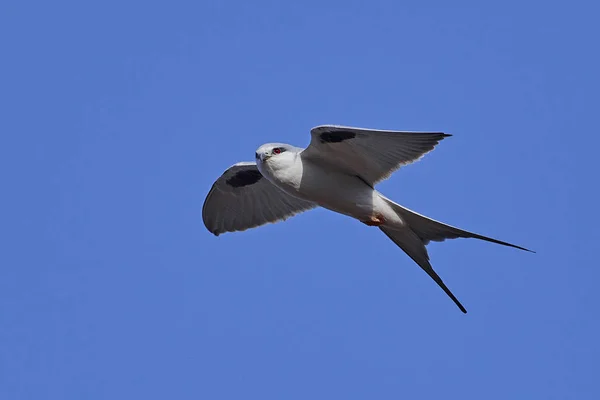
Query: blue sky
x,y
117,117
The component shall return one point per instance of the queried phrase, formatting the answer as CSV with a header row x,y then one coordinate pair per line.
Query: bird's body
x,y
329,188
338,171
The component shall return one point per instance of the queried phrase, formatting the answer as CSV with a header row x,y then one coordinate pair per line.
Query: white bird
x,y
337,171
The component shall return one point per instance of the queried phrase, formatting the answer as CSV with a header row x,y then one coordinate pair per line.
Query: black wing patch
x,y
244,178
336,136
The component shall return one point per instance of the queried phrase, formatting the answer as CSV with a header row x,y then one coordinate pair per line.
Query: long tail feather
x,y
412,245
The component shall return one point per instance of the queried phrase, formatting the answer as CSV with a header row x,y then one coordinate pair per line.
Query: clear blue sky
x,y
116,118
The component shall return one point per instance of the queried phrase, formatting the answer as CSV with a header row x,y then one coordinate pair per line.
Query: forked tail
x,y
419,231
408,241
428,229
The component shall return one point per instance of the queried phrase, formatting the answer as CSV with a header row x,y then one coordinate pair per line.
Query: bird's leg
x,y
375,220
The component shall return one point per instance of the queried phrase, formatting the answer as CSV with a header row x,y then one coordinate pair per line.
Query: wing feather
x,y
371,154
242,198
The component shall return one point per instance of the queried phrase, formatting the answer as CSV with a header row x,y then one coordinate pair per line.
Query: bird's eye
x,y
277,150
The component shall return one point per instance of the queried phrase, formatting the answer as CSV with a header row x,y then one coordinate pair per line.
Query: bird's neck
x,y
282,170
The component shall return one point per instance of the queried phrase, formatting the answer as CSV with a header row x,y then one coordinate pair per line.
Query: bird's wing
x,y
242,198
370,154
412,245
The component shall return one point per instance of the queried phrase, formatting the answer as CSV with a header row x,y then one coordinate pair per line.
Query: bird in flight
x,y
337,171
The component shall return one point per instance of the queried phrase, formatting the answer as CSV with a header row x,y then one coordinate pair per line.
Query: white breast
x,y
283,170
327,187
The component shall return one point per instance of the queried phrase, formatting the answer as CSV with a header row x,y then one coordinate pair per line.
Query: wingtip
x,y
446,135
214,232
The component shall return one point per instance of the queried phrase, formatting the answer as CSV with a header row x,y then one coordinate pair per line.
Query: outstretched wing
x,y
242,198
370,154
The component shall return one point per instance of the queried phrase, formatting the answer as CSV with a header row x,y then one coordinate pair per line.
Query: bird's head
x,y
275,153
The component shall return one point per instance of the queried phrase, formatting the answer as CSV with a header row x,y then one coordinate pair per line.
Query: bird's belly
x,y
339,192
331,189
